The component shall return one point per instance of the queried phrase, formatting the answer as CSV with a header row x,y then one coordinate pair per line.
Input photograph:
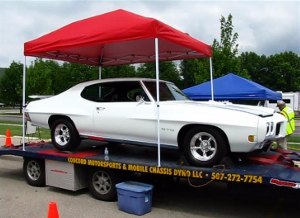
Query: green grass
x,y
294,139
15,114
293,147
294,143
2,122
11,108
16,129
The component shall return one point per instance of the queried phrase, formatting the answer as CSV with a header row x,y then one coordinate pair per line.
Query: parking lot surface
x,y
171,198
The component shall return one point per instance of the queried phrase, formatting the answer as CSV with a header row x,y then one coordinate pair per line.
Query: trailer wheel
x,y
64,135
102,183
34,172
204,146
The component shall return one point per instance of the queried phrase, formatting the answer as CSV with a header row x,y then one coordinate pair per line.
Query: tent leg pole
x,y
211,79
23,103
157,100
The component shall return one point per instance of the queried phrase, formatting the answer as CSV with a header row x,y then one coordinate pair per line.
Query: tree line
x,y
50,77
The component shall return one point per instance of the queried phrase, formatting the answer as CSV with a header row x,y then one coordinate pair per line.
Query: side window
x,y
96,93
105,91
119,91
164,92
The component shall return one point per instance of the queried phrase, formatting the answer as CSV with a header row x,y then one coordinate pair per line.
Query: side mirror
x,y
139,98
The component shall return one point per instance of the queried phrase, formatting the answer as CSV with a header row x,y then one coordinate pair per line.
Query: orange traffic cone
x,y
53,212
8,138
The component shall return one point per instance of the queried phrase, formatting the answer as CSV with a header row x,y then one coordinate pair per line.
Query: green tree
x,y
283,72
194,71
225,52
277,72
11,85
2,71
255,66
118,71
40,77
71,74
224,58
167,71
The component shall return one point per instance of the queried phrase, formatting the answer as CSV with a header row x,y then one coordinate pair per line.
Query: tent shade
x,y
116,38
232,87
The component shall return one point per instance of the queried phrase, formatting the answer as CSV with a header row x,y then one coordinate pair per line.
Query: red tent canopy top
x,y
116,38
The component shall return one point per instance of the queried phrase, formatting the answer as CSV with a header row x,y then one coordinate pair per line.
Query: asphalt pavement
x,y
176,199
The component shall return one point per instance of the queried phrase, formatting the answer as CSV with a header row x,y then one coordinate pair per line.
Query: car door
x,y
117,115
128,121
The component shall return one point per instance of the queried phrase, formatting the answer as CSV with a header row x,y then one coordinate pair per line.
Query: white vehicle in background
x,y
125,110
1,104
292,99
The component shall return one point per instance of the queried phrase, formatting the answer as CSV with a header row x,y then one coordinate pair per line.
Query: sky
x,y
264,27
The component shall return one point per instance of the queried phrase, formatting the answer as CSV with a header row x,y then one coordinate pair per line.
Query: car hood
x,y
255,110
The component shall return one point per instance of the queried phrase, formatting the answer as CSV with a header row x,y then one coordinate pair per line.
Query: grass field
x,y
17,130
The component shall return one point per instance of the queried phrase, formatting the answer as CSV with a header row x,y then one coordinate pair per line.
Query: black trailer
x,y
88,167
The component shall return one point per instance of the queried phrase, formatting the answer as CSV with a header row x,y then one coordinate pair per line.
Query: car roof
x,y
127,79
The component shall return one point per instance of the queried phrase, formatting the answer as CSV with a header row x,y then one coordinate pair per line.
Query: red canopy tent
x,y
115,38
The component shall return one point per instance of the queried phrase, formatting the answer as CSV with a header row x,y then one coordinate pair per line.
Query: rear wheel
x,y
102,183
204,146
34,172
64,135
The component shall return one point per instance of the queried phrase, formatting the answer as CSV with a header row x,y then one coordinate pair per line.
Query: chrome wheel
x,y
62,134
203,146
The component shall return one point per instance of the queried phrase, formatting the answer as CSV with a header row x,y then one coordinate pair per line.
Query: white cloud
x,y
264,27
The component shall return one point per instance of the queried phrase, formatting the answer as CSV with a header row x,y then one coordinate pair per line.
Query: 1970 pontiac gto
x,y
126,110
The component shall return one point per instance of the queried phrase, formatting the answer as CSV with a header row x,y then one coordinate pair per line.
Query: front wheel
x,y
64,135
34,172
102,183
204,146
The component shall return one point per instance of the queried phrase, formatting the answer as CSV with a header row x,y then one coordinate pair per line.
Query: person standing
x,y
290,126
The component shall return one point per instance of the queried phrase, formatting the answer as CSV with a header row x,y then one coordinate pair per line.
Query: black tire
x,y
204,146
64,135
102,183
34,172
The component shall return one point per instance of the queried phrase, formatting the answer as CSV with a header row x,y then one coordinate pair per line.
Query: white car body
x,y
137,122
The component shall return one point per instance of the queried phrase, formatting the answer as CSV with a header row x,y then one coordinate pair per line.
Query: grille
x,y
278,128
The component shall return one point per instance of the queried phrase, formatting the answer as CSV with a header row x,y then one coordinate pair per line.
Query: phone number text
x,y
231,177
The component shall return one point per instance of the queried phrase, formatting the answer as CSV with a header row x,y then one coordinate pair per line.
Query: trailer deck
x,y
269,168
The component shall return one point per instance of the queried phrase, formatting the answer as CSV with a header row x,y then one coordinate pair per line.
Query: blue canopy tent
x,y
231,87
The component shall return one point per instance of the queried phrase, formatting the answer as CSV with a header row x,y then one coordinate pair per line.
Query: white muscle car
x,y
126,110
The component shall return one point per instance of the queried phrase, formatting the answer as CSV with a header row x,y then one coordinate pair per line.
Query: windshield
x,y
167,91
